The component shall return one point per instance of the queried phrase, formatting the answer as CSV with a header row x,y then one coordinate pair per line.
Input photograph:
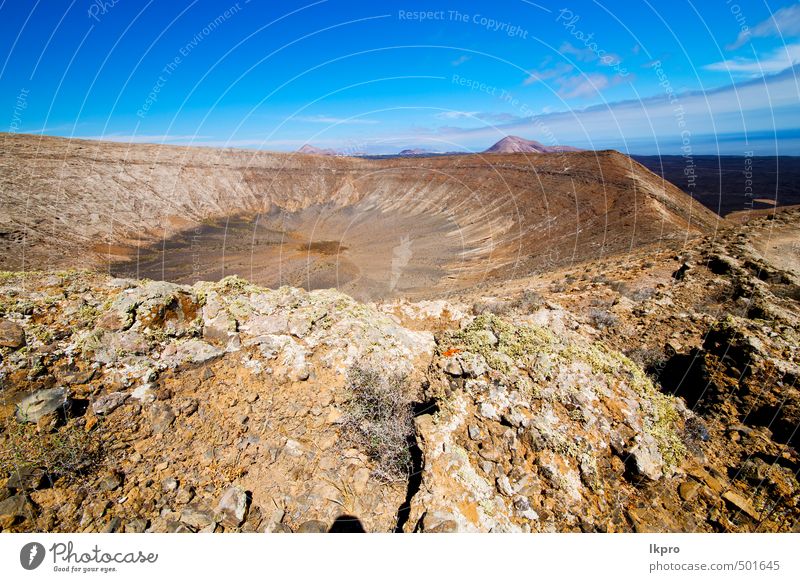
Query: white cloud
x,y
778,60
336,120
461,60
766,105
784,22
542,74
499,117
588,55
568,82
582,85
585,54
456,114
490,116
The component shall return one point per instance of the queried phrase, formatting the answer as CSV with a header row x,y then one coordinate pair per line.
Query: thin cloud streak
x,y
778,60
762,105
336,120
785,22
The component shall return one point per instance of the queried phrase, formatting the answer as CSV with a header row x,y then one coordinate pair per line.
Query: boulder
x,y
14,509
645,460
302,320
144,393
26,479
12,335
192,351
474,365
232,507
42,403
740,503
161,417
197,517
275,324
137,525
109,403
111,481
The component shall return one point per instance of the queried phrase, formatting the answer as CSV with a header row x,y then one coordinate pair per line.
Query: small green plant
x,y
233,284
41,333
88,314
379,420
90,341
156,335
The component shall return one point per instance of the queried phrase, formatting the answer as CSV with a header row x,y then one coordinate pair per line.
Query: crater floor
x,y
363,250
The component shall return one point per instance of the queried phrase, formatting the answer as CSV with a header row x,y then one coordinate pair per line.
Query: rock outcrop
x,y
242,427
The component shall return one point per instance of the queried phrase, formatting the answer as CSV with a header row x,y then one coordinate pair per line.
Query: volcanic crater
x,y
375,229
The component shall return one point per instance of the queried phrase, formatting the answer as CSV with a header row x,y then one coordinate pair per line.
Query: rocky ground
x,y
652,391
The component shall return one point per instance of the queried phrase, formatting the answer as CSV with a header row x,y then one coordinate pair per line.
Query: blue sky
x,y
643,77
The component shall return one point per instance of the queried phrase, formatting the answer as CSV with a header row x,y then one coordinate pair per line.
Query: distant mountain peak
x,y
310,149
513,144
415,152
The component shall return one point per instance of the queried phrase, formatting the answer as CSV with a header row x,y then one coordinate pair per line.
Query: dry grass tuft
x,y
379,420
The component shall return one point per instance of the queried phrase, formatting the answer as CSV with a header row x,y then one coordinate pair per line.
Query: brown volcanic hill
x,y
310,149
372,228
513,144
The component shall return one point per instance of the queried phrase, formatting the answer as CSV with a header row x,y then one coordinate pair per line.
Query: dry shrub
x,y
69,451
529,301
651,360
526,302
602,319
379,420
492,306
642,294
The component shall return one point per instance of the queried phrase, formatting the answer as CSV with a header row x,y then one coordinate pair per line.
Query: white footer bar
x,y
399,557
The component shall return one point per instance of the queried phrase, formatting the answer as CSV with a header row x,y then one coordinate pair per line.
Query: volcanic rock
x,y
42,403
232,507
12,335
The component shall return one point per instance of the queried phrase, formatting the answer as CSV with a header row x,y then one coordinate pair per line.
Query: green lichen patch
x,y
661,418
503,345
234,284
493,338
